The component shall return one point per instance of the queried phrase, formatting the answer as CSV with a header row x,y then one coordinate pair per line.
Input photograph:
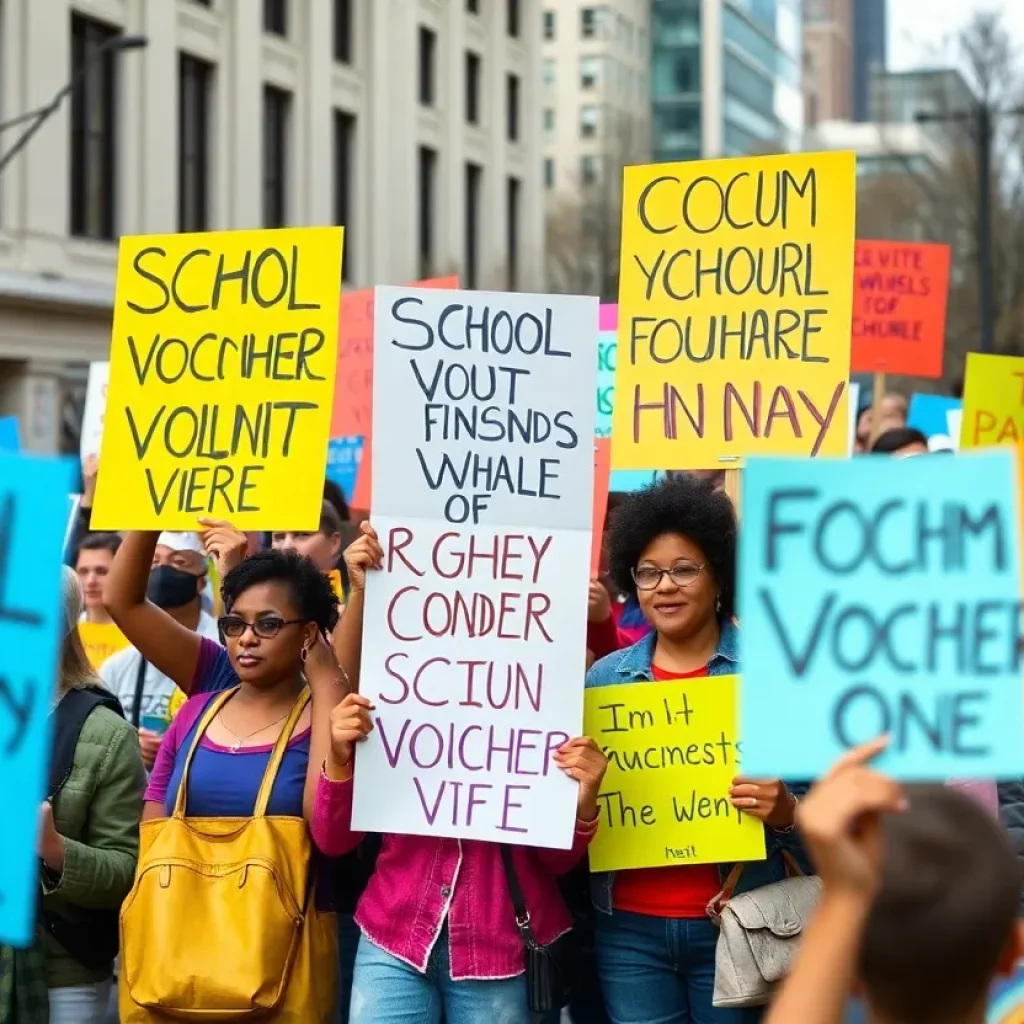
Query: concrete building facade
x,y
828,60
416,123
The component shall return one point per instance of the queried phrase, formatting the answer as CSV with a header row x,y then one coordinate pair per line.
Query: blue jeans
x,y
387,990
657,970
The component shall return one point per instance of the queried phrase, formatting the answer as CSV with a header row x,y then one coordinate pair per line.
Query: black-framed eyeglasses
x,y
649,577
266,627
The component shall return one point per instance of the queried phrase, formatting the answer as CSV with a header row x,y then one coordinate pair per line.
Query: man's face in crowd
x,y
92,567
187,561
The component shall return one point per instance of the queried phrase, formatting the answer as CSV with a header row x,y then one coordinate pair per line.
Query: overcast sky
x,y
921,32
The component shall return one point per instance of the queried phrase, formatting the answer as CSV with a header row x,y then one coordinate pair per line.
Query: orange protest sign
x,y
602,475
899,308
353,392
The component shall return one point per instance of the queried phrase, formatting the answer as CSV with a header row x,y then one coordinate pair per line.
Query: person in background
x,y
892,414
901,443
322,548
81,525
88,846
919,907
176,580
92,563
673,548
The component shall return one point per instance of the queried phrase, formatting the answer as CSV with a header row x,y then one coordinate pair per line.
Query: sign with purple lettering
x,y
483,427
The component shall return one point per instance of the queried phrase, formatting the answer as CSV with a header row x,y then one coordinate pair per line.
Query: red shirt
x,y
674,891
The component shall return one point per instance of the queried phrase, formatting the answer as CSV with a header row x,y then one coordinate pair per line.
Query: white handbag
x,y
759,934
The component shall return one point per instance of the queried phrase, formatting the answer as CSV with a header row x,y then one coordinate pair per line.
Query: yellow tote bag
x,y
220,923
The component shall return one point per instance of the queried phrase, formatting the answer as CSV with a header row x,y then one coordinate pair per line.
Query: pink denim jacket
x,y
421,881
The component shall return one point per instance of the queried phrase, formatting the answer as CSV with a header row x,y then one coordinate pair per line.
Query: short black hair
x,y
897,438
311,589
949,900
330,523
679,504
336,496
100,542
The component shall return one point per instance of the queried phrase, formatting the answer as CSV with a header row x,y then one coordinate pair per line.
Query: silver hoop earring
x,y
718,603
304,655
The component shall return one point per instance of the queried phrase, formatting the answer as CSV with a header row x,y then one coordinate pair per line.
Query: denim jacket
x,y
633,665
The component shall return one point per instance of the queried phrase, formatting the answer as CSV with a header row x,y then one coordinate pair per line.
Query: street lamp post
x,y
40,116
980,121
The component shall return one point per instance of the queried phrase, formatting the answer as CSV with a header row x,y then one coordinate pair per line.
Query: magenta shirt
x,y
420,882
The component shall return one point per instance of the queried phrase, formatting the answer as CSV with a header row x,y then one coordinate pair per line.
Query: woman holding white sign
x,y
441,937
673,548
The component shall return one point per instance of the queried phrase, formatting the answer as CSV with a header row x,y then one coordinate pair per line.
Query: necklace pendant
x,y
235,747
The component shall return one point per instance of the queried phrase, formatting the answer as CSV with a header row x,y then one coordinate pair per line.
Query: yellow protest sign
x,y
735,305
993,412
101,640
672,754
222,366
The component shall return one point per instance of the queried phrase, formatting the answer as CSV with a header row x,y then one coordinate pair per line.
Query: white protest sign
x,y
474,633
854,394
95,408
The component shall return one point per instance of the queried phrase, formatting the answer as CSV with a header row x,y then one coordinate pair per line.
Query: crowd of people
x,y
232,714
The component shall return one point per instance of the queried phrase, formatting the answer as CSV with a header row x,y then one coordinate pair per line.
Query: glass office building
x,y
725,77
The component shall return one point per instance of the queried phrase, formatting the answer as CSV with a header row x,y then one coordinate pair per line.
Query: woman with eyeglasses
x,y
279,611
673,549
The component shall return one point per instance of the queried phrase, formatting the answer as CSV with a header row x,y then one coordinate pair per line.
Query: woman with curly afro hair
x,y
673,548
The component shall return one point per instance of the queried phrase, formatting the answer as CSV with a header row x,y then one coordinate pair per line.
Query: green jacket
x,y
97,812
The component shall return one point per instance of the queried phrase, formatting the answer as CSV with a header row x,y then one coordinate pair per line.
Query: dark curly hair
x,y
311,589
679,504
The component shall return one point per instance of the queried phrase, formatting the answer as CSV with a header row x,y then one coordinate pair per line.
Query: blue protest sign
x,y
927,413
33,515
882,596
343,457
9,441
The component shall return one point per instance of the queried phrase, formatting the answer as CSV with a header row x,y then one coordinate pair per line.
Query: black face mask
x,y
171,588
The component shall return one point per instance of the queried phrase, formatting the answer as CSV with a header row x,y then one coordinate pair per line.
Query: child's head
x,y
945,921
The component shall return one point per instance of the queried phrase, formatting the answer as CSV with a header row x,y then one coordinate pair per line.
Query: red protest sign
x,y
899,308
353,391
602,476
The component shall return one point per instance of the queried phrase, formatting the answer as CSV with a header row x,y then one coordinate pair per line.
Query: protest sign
x,y
993,407
353,396
607,343
33,508
899,308
101,640
10,443
854,414
474,632
954,426
929,413
94,410
734,311
343,457
882,596
672,752
602,461
222,370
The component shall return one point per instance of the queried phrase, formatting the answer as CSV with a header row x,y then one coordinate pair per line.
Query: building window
x,y
549,172
276,115
588,170
473,6
344,180
427,189
512,233
590,72
474,183
343,31
588,22
275,17
512,105
549,71
194,79
472,88
428,49
549,25
513,18
549,120
589,116
93,131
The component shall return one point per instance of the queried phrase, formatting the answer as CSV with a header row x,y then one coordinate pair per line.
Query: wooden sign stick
x,y
876,407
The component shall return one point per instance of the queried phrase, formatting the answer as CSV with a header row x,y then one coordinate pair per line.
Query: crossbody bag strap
x,y
204,723
793,870
516,892
140,686
277,756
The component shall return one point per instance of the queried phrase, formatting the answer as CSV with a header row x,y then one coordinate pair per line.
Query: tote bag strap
x,y
793,870
277,756
204,723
